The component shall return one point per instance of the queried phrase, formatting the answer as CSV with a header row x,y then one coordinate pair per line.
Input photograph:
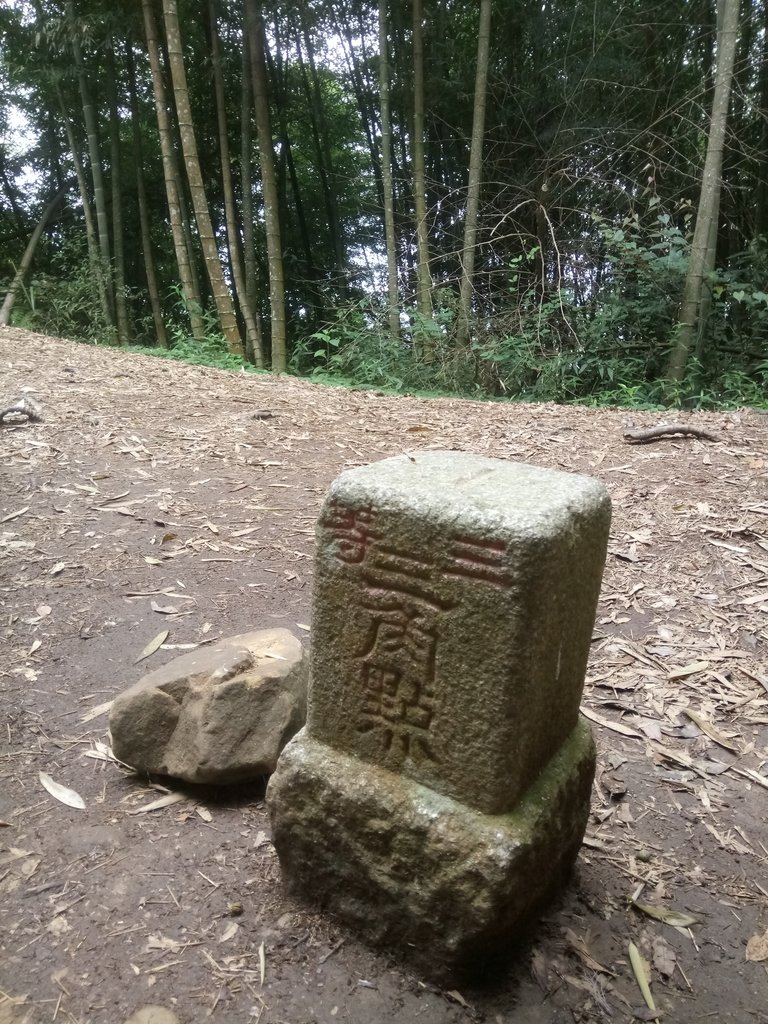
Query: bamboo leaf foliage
x,y
514,198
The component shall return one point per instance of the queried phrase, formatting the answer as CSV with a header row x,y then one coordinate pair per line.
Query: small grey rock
x,y
153,1015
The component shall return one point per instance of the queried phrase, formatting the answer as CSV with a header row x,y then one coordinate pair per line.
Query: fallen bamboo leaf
x,y
579,945
153,645
35,645
580,984
762,680
710,730
640,971
303,625
676,918
56,569
748,773
457,997
688,670
262,963
101,752
163,967
649,728
676,757
728,547
595,844
629,555
115,497
757,948
164,609
625,730
62,793
204,813
156,805
229,932
727,842
100,709
14,515
163,943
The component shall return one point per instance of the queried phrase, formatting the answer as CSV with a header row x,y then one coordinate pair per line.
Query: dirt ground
x,y
156,496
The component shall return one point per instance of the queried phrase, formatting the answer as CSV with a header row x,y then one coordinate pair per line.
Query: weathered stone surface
x,y
454,601
418,872
440,790
217,715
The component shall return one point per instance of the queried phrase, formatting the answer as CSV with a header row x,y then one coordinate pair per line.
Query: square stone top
x,y
453,608
491,494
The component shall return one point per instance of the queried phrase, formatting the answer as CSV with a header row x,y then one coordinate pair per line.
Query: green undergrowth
x,y
397,370
210,351
608,349
355,352
522,369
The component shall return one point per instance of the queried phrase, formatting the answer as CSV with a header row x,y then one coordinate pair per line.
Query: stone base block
x,y
434,881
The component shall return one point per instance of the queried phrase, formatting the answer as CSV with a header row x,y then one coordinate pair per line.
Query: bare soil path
x,y
156,496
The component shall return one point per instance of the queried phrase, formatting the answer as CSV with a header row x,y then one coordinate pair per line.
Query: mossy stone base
x,y
441,885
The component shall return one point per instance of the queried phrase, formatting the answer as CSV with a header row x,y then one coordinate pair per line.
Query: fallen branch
x,y
665,430
23,410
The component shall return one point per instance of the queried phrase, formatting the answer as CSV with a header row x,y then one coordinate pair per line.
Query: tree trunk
x,y
254,341
761,156
423,276
221,295
118,247
150,271
13,195
246,185
702,251
255,39
286,157
94,257
190,293
97,176
26,260
362,92
321,140
189,240
475,171
390,241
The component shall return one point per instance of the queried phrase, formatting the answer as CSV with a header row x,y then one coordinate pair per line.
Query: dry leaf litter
x,y
159,506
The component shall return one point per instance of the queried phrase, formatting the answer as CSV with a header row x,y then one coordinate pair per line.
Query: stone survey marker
x,y
440,790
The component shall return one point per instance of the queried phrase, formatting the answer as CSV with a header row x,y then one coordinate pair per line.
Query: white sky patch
x,y
19,136
18,139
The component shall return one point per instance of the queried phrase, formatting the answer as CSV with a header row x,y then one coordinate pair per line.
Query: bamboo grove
x,y
523,198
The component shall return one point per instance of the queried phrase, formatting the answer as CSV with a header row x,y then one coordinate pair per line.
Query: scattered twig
x,y
331,951
665,430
